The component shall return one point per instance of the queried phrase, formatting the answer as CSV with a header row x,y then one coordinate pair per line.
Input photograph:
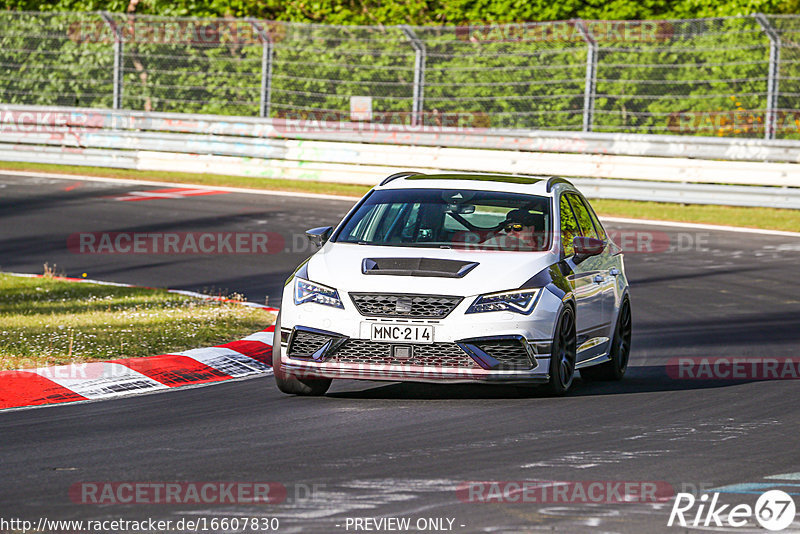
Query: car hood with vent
x,y
367,268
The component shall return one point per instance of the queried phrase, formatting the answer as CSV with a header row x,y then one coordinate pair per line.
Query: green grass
x,y
766,218
44,321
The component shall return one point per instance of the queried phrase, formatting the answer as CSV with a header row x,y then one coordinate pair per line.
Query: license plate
x,y
401,333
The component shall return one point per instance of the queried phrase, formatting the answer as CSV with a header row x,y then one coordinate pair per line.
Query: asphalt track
x,y
400,450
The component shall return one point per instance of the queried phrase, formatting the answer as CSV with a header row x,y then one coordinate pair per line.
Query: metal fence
x,y
736,77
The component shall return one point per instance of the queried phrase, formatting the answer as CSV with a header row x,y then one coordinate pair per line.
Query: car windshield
x,y
439,218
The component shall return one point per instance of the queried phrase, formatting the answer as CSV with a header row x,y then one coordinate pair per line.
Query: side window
x,y
569,226
582,214
601,232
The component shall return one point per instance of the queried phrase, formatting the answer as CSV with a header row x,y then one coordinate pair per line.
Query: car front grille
x,y
407,306
378,353
510,353
304,344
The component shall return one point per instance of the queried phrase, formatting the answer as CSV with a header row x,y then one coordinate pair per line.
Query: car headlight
x,y
306,291
520,301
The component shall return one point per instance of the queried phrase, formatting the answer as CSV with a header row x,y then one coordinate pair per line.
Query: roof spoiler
x,y
397,175
553,180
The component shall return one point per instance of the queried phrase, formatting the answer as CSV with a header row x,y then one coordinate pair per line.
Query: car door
x,y
589,314
611,261
588,280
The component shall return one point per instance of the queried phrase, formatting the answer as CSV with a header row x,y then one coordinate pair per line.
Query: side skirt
x,y
593,351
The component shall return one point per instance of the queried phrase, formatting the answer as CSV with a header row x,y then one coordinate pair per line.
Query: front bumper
x,y
463,348
326,354
410,373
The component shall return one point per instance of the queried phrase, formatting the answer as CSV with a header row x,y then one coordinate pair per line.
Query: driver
x,y
521,230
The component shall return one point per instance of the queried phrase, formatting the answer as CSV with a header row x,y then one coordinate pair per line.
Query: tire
x,y
563,354
620,351
288,383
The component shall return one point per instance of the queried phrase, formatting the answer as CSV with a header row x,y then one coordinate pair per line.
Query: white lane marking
x,y
264,337
786,247
785,476
244,190
586,460
719,227
98,380
227,361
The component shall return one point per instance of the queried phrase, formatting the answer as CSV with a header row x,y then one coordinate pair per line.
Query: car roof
x,y
532,185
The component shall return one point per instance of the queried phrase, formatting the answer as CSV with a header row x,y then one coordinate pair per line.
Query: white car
x,y
457,278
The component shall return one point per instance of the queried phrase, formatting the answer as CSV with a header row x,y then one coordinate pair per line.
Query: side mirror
x,y
586,247
320,235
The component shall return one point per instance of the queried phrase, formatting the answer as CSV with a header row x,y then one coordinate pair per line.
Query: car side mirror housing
x,y
586,247
319,236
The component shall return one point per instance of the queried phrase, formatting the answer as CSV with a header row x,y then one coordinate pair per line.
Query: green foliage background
x,y
420,12
707,77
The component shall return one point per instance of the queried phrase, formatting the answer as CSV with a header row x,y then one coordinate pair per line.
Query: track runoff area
x,y
697,435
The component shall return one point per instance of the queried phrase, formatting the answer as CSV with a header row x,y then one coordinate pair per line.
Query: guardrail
x,y
623,166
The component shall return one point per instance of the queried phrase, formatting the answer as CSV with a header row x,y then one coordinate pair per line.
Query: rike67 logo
x,y
774,510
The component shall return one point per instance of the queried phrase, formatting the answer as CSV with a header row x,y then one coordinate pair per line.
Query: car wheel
x,y
563,355
620,352
289,383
